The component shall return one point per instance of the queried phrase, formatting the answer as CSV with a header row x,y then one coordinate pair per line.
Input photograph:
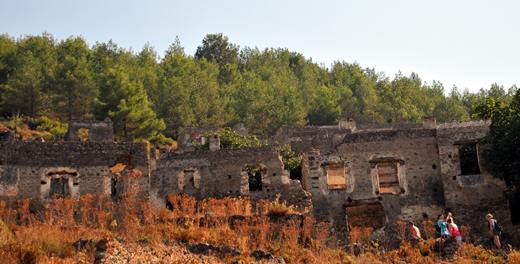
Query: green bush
x,y
290,159
56,129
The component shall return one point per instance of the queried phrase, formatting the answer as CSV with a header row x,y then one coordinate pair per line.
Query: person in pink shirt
x,y
415,234
454,231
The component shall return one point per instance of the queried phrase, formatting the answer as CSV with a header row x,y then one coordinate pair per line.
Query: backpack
x,y
437,228
498,228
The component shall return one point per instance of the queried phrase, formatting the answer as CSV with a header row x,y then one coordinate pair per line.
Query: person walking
x,y
454,231
443,227
449,216
415,234
494,230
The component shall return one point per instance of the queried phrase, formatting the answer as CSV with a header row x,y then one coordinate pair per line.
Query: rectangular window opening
x,y
191,178
188,177
468,156
336,177
388,178
59,188
254,174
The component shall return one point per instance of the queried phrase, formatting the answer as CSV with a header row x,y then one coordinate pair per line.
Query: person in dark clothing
x,y
494,230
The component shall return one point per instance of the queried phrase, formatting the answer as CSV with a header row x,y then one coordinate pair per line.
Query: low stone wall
x,y
38,169
205,174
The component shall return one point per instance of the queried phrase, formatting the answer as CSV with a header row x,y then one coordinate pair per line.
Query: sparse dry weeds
x,y
47,236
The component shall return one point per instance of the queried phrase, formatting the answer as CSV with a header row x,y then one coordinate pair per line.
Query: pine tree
x,y
74,89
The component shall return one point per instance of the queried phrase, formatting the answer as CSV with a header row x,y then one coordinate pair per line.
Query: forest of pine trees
x,y
151,97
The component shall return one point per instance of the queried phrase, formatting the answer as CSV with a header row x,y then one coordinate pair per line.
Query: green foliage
x,y
74,90
221,85
133,117
357,92
290,159
56,129
32,73
268,96
188,93
217,48
230,139
503,157
325,109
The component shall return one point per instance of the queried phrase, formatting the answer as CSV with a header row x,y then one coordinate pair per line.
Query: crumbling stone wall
x,y
471,197
190,137
427,168
222,173
98,131
27,169
351,174
420,188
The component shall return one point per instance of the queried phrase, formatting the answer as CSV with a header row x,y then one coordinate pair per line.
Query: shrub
x,y
56,129
279,208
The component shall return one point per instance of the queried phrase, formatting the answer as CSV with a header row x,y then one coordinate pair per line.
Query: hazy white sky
x,y
468,43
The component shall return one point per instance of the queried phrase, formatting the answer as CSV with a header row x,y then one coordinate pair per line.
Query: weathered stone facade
x,y
37,169
351,175
401,171
100,131
223,173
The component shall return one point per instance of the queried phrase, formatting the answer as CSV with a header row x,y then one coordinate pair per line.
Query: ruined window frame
x,y
59,187
463,169
257,175
70,176
337,166
183,182
398,187
358,218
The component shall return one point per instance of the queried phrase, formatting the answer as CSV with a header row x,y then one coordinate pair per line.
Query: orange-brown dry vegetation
x,y
47,236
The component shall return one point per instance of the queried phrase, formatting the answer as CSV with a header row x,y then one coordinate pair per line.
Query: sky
x,y
467,43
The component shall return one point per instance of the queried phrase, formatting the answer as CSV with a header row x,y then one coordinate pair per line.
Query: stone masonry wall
x,y
419,175
221,173
471,197
26,168
426,159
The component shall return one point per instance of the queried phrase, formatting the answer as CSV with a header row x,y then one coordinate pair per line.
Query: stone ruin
x,y
91,130
351,175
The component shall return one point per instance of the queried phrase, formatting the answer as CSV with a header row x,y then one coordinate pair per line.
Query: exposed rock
x,y
82,244
388,237
208,249
261,254
101,248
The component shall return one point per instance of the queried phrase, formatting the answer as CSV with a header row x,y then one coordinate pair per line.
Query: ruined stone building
x,y
351,175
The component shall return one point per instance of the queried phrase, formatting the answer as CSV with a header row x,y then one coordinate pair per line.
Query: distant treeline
x,y
149,97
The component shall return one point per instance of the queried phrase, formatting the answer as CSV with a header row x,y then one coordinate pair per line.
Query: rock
x,y
388,236
82,244
234,219
143,242
207,249
101,248
286,218
37,208
29,258
261,254
228,251
200,248
280,260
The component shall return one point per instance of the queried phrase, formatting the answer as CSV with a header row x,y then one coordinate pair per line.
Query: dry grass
x,y
26,237
278,208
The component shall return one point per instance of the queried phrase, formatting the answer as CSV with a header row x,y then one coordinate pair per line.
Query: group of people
x,y
445,228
